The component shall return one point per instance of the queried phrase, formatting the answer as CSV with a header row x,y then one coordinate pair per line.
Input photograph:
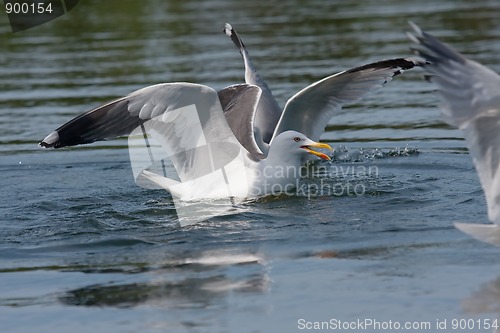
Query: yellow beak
x,y
318,145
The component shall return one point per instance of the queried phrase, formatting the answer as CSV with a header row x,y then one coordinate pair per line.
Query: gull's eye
x,y
296,139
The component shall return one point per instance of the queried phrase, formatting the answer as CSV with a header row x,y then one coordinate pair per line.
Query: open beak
x,y
317,153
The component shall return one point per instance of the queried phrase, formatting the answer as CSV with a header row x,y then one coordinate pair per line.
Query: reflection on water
x,y
168,289
484,300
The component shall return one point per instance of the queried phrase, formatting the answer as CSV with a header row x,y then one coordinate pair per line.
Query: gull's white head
x,y
294,144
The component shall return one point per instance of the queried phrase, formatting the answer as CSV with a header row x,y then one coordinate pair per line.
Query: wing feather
x,y
309,110
239,103
268,111
185,119
470,100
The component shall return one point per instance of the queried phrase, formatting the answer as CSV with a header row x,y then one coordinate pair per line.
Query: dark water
x,y
82,248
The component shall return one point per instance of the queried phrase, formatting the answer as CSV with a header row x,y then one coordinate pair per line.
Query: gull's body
x,y
245,177
470,94
235,142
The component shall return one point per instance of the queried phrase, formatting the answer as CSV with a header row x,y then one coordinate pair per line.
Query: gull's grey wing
x,y
309,110
185,118
470,94
119,117
268,110
239,103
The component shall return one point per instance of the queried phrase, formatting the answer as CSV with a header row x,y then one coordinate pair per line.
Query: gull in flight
x,y
236,142
470,95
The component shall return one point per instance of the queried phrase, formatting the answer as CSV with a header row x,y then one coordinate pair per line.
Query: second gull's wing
x,y
470,95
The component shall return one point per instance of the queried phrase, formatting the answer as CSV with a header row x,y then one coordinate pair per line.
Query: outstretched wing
x,y
309,110
470,95
185,119
119,117
268,111
239,103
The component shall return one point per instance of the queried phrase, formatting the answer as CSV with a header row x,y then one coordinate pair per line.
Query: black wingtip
x,y
398,64
231,33
50,141
431,48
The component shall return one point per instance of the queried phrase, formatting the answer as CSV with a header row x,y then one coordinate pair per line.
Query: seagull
x,y
236,142
470,101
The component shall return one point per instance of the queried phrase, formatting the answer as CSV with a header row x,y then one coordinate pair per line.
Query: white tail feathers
x,y
489,233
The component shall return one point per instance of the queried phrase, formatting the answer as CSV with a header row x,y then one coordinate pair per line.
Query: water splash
x,y
345,154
